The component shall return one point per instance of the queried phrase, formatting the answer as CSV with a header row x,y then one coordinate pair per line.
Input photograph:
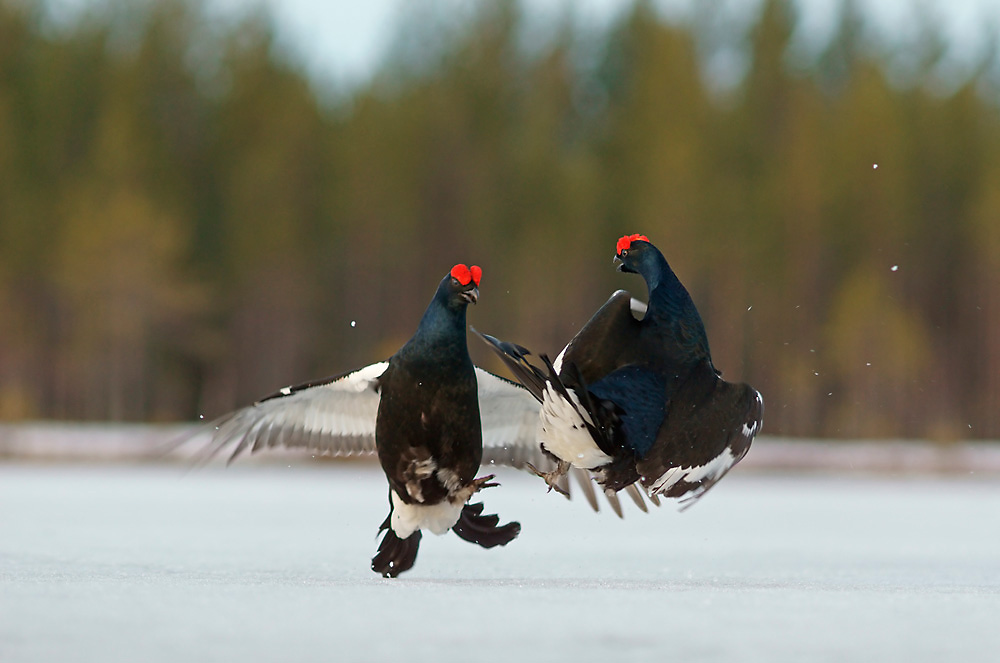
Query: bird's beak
x,y
471,296
617,262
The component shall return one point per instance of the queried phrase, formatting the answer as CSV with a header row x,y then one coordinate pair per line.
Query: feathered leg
x,y
394,554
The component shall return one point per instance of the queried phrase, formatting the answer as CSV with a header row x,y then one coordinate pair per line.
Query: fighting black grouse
x,y
638,400
430,416
428,433
420,412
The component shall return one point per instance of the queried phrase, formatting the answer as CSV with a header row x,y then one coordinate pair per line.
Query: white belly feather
x,y
563,431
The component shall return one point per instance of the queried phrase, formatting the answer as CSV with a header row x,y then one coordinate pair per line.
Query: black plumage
x,y
428,433
420,412
638,400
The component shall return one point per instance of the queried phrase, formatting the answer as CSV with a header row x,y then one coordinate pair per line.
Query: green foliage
x,y
184,225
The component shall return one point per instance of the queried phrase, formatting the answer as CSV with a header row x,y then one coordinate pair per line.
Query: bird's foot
x,y
552,478
484,482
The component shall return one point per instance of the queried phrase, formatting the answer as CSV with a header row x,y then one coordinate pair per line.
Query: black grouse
x,y
420,411
428,433
638,400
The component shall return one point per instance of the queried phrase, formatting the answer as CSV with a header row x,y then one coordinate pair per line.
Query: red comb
x,y
464,274
626,241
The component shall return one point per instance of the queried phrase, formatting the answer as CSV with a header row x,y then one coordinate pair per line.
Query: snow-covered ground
x,y
265,563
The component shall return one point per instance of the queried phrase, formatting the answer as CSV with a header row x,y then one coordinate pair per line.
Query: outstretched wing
x,y
509,417
709,427
607,341
334,417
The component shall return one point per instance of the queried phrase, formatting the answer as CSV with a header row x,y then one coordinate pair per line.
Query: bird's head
x,y
632,252
463,285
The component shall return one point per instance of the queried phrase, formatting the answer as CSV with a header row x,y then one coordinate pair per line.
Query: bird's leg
x,y
552,478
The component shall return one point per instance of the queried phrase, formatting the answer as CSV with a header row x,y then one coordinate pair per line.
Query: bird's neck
x,y
671,310
441,333
664,286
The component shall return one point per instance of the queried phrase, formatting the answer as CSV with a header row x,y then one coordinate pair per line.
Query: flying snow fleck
x,y
874,166
354,323
894,268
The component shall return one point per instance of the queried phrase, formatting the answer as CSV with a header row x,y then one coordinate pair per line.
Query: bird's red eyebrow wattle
x,y
626,241
477,274
463,274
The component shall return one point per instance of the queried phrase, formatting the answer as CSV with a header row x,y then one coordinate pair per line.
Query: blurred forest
x,y
187,222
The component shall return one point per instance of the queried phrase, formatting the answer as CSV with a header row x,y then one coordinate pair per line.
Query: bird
x,y
428,433
634,397
429,414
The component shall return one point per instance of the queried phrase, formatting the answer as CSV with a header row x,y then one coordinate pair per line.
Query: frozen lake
x,y
264,563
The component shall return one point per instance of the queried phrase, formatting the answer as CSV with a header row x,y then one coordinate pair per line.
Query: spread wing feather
x,y
611,334
336,417
333,417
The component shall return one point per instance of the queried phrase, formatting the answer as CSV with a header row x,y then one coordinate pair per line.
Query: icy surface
x,y
271,563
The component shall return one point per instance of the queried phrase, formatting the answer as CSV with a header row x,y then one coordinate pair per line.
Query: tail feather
x,y
586,486
394,554
615,503
483,530
633,492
